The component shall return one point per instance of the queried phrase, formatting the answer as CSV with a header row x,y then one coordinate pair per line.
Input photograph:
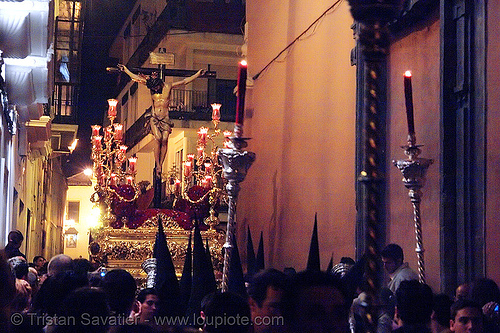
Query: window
x,y
73,211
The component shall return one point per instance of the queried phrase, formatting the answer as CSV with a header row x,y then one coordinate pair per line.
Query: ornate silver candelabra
x,y
235,164
413,170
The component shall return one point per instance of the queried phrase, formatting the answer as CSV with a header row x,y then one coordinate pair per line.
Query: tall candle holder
x,y
109,166
236,163
413,170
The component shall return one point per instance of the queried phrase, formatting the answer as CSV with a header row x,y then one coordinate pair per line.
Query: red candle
x,y
242,85
95,130
202,135
216,111
200,152
108,133
118,131
112,108
97,142
207,182
208,168
131,164
113,180
409,103
177,187
187,168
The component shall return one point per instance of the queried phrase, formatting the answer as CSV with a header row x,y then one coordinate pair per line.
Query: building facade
x,y
41,41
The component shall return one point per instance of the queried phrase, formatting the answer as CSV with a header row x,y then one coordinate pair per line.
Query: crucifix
x,y
159,121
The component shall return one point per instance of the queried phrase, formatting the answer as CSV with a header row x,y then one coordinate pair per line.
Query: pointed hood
x,y
187,276
330,265
250,254
259,261
202,281
235,281
313,261
166,282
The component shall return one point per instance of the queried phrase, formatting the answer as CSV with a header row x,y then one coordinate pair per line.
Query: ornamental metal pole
x,y
235,164
413,170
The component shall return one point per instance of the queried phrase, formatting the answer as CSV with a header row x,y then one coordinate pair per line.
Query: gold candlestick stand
x,y
413,170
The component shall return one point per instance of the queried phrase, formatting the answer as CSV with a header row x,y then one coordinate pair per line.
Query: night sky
x,y
103,21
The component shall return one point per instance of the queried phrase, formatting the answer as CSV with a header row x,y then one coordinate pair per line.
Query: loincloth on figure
x,y
161,123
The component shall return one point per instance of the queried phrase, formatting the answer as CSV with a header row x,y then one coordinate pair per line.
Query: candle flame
x,y
408,74
243,63
112,102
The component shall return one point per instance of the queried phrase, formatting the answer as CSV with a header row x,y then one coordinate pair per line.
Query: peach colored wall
x,y
301,119
418,52
493,148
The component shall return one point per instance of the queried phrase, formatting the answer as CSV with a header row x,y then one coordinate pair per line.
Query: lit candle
x,y
108,133
190,157
129,180
118,131
131,164
202,135
227,133
113,180
95,130
216,111
187,168
112,108
207,182
240,99
409,104
97,142
177,187
208,168
200,152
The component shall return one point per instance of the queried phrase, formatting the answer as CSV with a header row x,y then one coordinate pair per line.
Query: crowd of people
x,y
71,295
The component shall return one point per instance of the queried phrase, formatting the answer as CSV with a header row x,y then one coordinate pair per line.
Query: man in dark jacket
x,y
15,239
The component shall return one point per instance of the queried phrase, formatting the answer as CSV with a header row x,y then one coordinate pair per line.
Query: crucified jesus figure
x,y
160,124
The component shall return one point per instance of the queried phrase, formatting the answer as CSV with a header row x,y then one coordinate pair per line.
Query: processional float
x,y
210,178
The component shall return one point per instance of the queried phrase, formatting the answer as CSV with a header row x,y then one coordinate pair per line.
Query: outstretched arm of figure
x,y
189,79
135,77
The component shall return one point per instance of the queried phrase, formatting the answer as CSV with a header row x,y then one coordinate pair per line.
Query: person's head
x,y
38,262
316,302
225,312
20,270
484,290
441,310
466,317
55,289
414,302
149,301
15,238
59,263
462,291
120,287
392,257
87,309
265,291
